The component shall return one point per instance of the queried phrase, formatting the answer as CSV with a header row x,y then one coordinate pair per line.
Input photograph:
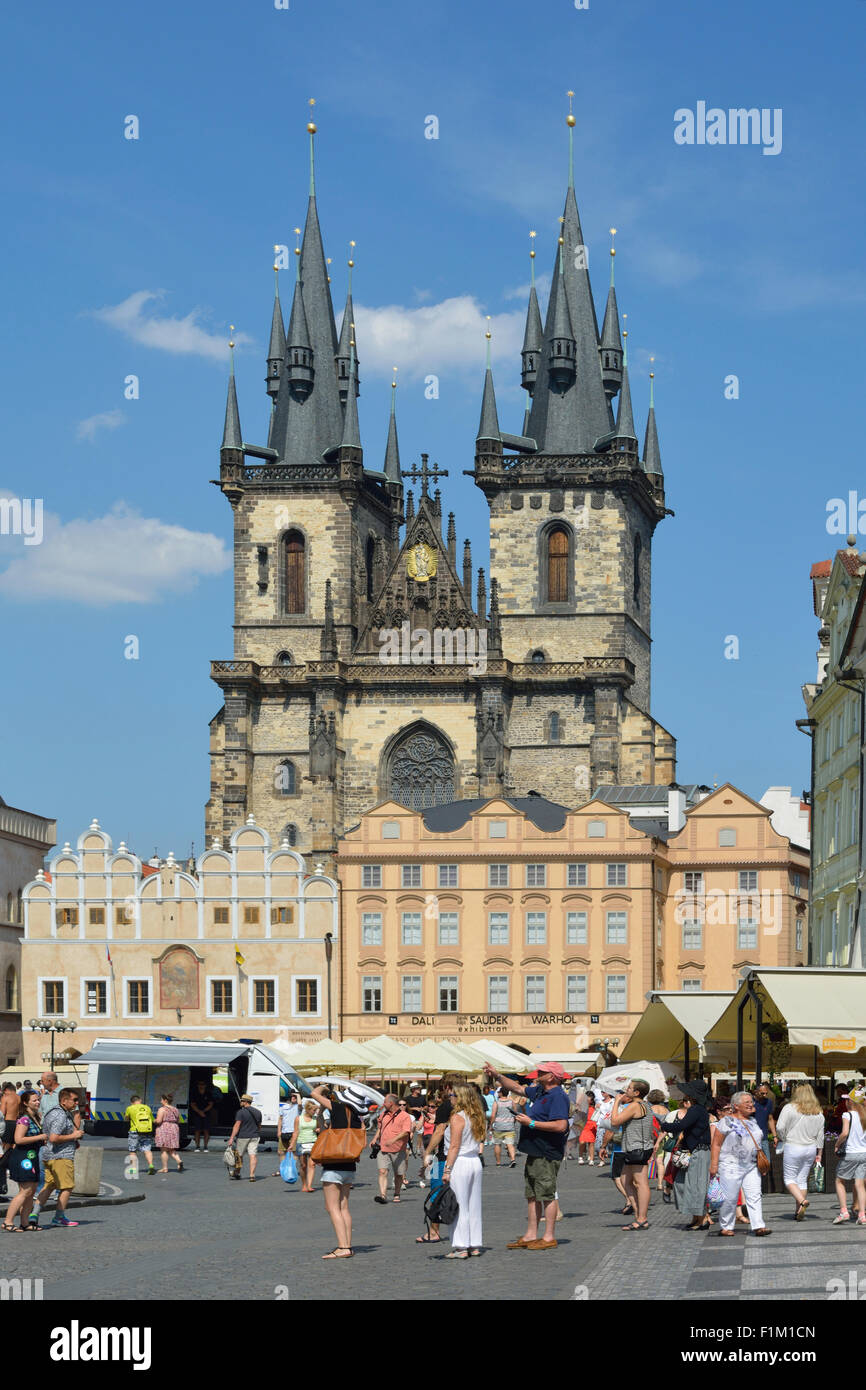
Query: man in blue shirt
x,y
765,1103
543,1129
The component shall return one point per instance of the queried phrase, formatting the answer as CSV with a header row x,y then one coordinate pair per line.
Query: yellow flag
x,y
239,959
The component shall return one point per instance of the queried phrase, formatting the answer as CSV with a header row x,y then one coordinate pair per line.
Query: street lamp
x,y
329,955
52,1026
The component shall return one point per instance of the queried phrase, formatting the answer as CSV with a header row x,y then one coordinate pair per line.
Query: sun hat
x,y
552,1069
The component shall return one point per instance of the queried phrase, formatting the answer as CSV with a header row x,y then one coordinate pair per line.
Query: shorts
x,y
9,1131
617,1163
539,1179
852,1168
398,1162
284,1139
304,1150
503,1136
436,1175
136,1141
247,1145
331,1175
60,1173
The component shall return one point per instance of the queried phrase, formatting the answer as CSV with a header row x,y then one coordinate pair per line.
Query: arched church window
x,y
286,779
537,658
638,546
368,563
290,833
557,565
284,659
294,571
421,771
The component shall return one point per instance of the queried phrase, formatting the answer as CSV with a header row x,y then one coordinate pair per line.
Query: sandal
x,y
636,1226
335,1253
428,1240
457,1255
6,1226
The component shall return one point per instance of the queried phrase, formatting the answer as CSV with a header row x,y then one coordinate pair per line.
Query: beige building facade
x,y
25,839
547,926
237,948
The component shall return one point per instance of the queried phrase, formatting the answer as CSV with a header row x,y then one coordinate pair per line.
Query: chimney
x,y
676,808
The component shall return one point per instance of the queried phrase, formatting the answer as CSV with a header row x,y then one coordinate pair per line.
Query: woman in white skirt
x,y
735,1145
800,1128
463,1140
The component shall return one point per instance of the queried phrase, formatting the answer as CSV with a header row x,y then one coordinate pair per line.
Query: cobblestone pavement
x,y
197,1236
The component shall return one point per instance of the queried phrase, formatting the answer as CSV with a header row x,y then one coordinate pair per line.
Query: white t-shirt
x,y
288,1115
856,1138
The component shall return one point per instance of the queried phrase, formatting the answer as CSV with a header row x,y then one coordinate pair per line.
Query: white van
x,y
119,1068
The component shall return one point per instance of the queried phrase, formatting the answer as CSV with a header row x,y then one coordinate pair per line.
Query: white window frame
x,y
730,830
696,926
389,827
52,980
306,1013
448,940
697,885
136,979
610,1008
535,940
371,875
251,1001
596,830
212,979
404,1007
576,875
748,887
456,988
798,934
365,985
411,876
532,872
752,943
576,932
498,941
412,940
535,1008
616,940
96,980
447,883
365,941
497,830
616,875
692,985
499,883
495,1008
576,1008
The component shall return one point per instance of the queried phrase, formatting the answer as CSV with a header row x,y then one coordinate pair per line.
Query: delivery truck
x,y
119,1068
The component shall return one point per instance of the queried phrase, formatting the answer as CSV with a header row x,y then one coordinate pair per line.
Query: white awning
x,y
668,1016
177,1053
820,1008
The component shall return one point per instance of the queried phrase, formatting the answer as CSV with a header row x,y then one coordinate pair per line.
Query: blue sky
x,y
132,257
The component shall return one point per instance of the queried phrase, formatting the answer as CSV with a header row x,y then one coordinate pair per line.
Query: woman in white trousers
x,y
736,1143
800,1127
464,1140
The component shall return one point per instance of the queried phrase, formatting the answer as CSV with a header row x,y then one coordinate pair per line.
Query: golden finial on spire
x,y
394,382
351,262
311,125
570,119
612,235
488,334
561,224
532,248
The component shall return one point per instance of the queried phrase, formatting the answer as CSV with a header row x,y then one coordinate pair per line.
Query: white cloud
x,y
178,335
443,338
107,420
122,557
521,292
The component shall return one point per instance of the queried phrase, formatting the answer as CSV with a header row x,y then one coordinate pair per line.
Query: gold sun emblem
x,y
421,563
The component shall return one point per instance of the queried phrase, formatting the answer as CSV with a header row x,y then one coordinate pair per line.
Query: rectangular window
x,y
410,989
96,916
371,875
221,916
575,993
138,996
798,935
96,996
221,996
616,999
264,997
497,994
67,916
53,997
536,993
282,915
124,913
448,876
616,876
498,829
693,882
448,929
727,839
616,928
371,994
448,994
536,928
747,934
536,875
251,916
597,829
371,929
306,996
855,814
497,875
390,830
797,880
748,880
576,877
410,928
497,925
410,876
575,928
693,936
692,986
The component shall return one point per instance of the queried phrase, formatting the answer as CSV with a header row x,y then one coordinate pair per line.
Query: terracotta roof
x,y
820,569
851,560
147,869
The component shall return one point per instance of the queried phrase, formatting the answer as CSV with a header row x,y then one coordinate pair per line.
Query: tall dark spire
x,y
277,345
568,418
347,332
351,436
488,428
392,448
610,349
299,371
232,438
533,336
624,414
307,426
652,459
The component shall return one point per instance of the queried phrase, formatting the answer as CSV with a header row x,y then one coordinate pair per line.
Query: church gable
x,y
422,589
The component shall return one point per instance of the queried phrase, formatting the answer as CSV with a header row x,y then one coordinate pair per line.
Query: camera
x,y
374,1150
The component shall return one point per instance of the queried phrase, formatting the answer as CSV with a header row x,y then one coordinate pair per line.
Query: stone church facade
x,y
371,660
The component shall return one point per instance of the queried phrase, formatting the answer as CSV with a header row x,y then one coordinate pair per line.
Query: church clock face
x,y
422,563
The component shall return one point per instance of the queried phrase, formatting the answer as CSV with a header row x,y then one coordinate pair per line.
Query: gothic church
x,y
332,553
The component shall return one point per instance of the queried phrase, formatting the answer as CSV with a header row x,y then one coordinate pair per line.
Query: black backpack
x,y
441,1206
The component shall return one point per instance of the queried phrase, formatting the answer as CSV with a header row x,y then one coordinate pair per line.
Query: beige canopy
x,y
668,1017
823,1010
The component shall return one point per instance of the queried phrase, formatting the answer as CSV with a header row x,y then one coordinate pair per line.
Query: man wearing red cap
x,y
543,1130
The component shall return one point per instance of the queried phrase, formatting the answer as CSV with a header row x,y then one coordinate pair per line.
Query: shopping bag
x,y
715,1192
230,1157
816,1178
289,1169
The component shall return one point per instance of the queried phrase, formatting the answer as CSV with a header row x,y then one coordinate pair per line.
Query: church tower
x,y
371,662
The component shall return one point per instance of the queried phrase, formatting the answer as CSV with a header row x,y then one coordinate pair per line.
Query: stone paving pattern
x,y
197,1237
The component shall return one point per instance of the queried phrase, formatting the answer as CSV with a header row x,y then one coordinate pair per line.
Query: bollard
x,y
88,1170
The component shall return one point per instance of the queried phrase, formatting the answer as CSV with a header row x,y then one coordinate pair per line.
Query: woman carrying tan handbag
x,y
337,1149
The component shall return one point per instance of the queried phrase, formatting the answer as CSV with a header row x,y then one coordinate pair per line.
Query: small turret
x,y
392,448
533,337
452,540
610,348
467,570
563,348
625,439
299,369
488,427
346,333
232,438
652,460
351,437
277,345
